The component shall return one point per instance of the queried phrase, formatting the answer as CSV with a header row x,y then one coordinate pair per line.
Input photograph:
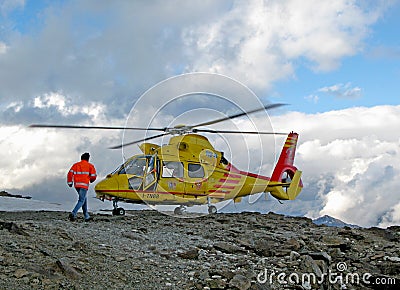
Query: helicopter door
x,y
195,182
150,174
172,177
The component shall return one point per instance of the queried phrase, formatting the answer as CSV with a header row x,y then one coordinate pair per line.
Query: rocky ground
x,y
152,250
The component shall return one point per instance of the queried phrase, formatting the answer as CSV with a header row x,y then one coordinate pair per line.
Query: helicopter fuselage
x,y
188,171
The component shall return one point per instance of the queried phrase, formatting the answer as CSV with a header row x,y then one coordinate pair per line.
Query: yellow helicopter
x,y
189,171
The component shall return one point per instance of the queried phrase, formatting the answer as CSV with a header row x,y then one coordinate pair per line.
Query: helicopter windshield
x,y
142,169
135,166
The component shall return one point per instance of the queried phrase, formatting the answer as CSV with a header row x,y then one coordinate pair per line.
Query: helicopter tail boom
x,y
285,181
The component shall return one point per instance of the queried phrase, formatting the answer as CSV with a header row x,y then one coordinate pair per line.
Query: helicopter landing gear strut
x,y
179,210
211,208
117,210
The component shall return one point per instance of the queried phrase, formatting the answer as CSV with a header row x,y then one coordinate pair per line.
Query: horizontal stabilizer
x,y
286,191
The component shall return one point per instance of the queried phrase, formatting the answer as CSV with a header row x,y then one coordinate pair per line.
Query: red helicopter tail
x,y
285,181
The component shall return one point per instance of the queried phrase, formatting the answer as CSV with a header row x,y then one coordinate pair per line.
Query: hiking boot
x,y
71,217
90,219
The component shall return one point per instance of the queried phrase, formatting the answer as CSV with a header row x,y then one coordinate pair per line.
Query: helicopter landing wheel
x,y
179,210
118,211
212,209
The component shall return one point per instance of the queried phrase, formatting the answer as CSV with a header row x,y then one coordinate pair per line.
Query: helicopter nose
x,y
99,186
106,185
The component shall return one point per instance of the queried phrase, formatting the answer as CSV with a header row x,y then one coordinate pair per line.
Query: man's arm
x,y
92,173
70,176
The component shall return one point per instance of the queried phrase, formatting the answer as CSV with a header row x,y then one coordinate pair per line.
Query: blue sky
x,y
336,63
24,17
375,69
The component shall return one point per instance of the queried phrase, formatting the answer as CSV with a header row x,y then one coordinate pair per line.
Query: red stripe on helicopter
x,y
232,175
224,186
236,171
255,175
158,192
229,181
135,191
219,191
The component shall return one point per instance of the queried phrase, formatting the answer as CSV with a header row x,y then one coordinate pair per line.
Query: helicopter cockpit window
x,y
135,166
172,169
141,171
195,170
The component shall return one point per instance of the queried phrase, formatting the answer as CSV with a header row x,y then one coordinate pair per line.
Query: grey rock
x,y
320,256
192,254
216,283
240,282
134,236
19,273
336,242
392,259
67,269
265,247
311,266
13,228
294,256
228,248
151,250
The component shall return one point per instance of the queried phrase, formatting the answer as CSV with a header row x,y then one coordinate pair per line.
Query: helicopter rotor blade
x,y
139,141
235,132
95,127
171,130
267,107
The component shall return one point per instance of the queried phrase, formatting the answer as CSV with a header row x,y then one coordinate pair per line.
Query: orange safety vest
x,y
81,173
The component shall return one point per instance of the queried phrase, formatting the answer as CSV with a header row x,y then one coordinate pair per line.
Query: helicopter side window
x,y
195,170
135,182
172,169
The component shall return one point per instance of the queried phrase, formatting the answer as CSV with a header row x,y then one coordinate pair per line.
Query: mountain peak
x,y
332,222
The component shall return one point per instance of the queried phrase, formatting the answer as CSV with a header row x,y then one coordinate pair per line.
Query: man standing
x,y
81,174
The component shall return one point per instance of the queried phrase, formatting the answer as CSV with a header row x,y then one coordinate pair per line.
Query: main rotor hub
x,y
179,130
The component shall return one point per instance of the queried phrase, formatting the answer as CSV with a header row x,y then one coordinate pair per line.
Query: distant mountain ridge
x,y
6,194
332,222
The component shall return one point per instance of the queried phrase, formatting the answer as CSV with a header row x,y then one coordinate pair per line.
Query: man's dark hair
x,y
85,156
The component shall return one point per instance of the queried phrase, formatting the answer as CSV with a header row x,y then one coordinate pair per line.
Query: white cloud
x,y
128,46
3,48
357,153
344,91
7,6
391,217
15,106
258,42
33,160
66,108
30,156
312,98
